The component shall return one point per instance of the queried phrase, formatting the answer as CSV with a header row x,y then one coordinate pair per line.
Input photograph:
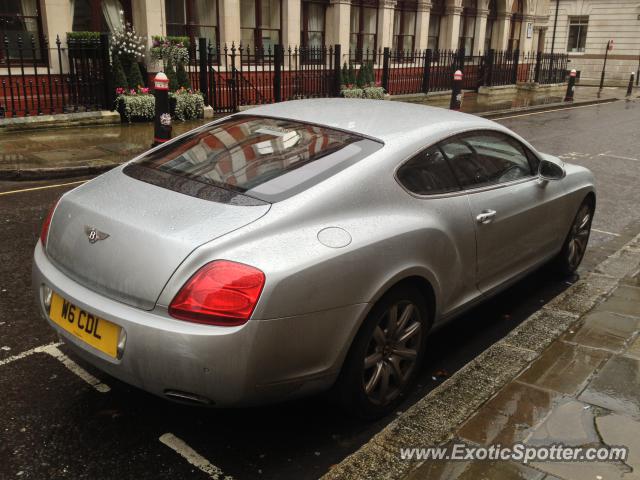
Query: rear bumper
x,y
259,362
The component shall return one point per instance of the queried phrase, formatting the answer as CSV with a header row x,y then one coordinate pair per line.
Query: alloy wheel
x,y
579,237
392,352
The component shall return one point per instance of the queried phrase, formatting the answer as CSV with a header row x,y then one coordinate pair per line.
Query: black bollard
x,y
630,86
456,91
162,121
571,86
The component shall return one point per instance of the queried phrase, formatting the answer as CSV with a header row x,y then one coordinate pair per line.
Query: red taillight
x,y
220,293
45,226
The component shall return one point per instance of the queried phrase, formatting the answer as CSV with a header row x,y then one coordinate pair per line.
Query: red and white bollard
x,y
571,86
162,118
456,91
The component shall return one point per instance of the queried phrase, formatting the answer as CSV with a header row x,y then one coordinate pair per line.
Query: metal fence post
x,y
516,57
203,77
489,68
536,75
278,54
630,86
386,55
426,72
108,92
337,56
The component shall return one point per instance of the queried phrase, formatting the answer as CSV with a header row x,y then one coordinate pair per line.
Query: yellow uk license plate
x,y
97,332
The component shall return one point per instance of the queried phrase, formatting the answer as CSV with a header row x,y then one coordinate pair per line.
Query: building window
x,y
517,15
194,19
20,18
467,26
313,15
577,33
404,25
492,18
99,15
260,23
364,29
435,19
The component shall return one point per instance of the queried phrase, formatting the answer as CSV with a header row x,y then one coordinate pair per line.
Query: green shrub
x,y
362,76
371,74
375,93
83,35
119,77
352,92
188,105
139,107
171,75
134,76
182,77
352,75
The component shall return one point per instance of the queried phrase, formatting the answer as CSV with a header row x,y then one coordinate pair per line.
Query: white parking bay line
x,y
620,157
75,368
605,232
193,457
26,353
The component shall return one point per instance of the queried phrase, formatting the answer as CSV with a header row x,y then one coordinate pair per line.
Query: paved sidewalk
x,y
584,390
569,375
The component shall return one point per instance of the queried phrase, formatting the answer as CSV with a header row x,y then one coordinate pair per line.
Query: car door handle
x,y
486,216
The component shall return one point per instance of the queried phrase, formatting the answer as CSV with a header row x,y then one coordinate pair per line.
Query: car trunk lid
x,y
124,238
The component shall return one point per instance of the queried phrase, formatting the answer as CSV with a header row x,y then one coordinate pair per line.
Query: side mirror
x,y
549,170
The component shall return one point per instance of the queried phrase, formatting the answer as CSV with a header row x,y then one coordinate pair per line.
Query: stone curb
x,y
51,173
432,420
61,120
59,172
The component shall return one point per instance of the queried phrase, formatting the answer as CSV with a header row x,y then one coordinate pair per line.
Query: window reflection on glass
x,y
364,29
20,18
260,156
404,27
467,33
577,34
515,29
313,14
433,40
492,18
260,23
194,19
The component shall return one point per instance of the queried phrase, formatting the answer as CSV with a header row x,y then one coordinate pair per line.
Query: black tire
x,y
356,389
575,244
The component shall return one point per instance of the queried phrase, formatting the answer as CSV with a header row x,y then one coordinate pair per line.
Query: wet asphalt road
x,y
55,425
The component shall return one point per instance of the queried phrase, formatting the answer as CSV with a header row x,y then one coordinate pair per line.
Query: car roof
x,y
382,119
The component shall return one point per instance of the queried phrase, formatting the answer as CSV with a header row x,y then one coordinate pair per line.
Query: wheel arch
x,y
417,278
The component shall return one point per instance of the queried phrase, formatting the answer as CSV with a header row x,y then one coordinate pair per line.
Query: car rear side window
x,y
484,158
428,173
264,158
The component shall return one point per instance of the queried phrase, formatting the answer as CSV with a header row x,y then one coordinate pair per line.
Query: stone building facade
x,y
357,24
583,30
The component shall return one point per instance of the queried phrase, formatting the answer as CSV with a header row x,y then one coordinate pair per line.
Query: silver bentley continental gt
x,y
300,247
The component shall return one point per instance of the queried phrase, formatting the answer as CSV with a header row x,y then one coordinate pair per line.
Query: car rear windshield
x,y
263,158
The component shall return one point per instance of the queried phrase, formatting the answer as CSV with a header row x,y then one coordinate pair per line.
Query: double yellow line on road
x,y
44,187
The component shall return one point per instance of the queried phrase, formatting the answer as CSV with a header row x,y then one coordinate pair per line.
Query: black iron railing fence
x,y
76,76
37,78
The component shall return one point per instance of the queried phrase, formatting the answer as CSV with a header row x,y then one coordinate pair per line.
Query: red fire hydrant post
x,y
571,86
456,91
162,119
